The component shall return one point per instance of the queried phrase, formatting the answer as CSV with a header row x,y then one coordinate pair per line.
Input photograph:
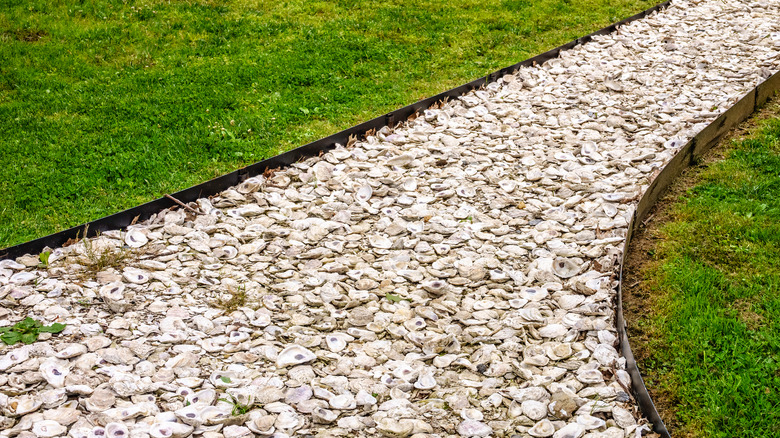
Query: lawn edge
x,y
637,296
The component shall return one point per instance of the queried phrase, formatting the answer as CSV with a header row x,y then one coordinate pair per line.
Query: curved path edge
x,y
142,212
687,156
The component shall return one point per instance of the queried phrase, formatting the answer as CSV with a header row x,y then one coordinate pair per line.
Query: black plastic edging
x,y
144,211
687,156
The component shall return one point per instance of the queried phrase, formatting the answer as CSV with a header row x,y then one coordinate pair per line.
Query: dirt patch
x,y
29,35
746,314
638,291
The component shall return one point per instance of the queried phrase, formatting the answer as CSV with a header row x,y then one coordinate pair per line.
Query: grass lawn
x,y
105,105
712,330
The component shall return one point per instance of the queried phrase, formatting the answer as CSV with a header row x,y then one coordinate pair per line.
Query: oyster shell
x,y
565,268
294,355
135,238
48,429
55,371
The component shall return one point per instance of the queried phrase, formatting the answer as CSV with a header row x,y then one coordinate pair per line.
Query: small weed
x,y
237,299
107,257
595,403
44,259
395,298
27,330
238,408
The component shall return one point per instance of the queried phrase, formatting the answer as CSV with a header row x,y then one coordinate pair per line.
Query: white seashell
x,y
558,351
605,354
190,415
400,160
337,342
288,419
364,193
212,415
395,428
55,371
380,242
534,293
250,185
235,431
590,422
23,277
466,192
143,409
623,417
405,372
565,268
363,398
323,416
425,381
63,415
570,301
237,337
409,184
14,357
100,400
571,430
534,410
23,405
534,355
226,252
136,276
542,429
97,432
48,429
298,395
54,397
70,351
294,355
116,430
203,397
590,149
136,238
472,414
170,430
224,379
262,424
552,331
473,428
113,292
435,287
507,185
343,402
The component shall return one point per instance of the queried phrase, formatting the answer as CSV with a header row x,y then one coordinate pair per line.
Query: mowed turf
x,y
714,325
105,105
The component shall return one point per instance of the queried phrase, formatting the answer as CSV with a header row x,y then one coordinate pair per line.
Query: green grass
x,y
105,105
716,286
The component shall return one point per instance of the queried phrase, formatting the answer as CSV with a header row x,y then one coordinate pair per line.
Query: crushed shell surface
x,y
453,276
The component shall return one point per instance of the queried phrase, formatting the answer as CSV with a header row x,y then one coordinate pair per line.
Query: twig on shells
x,y
183,205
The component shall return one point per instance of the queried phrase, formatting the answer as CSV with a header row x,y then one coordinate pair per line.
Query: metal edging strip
x,y
687,156
142,212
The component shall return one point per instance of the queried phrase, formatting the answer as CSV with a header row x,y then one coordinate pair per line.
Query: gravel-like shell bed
x,y
452,276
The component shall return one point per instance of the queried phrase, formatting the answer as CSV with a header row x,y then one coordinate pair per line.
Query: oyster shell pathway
x,y
453,276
